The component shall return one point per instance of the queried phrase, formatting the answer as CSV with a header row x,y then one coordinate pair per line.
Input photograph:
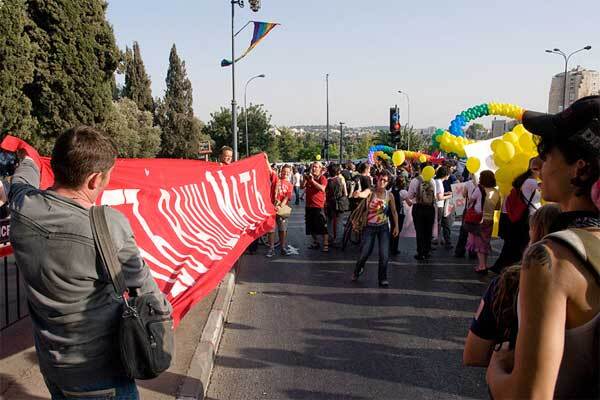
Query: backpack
x,y
341,200
517,208
425,194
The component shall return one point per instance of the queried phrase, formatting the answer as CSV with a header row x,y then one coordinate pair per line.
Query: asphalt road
x,y
300,329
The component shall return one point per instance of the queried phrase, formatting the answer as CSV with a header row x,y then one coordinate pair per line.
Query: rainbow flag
x,y
261,29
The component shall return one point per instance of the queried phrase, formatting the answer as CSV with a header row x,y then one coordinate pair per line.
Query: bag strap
x,y
106,249
584,244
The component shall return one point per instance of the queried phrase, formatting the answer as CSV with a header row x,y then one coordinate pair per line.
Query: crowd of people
x,y
535,328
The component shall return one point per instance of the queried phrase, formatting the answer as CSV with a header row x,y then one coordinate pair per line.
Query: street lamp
x,y
327,129
246,109
566,58
408,118
341,141
254,6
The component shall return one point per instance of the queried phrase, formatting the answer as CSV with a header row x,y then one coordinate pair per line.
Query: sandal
x,y
325,248
314,246
481,271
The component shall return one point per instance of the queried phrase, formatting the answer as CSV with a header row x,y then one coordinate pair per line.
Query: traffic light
x,y
395,124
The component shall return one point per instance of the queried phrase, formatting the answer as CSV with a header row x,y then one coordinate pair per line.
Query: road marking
x,y
297,261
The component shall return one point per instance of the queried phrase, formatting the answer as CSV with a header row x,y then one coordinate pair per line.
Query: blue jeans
x,y
114,389
382,234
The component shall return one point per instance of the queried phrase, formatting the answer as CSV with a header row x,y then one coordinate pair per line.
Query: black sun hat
x,y
578,124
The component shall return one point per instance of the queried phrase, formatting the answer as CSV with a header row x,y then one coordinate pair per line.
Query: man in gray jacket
x,y
73,306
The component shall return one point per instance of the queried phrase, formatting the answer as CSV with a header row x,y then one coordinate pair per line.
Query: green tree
x,y
409,137
16,69
137,82
73,75
311,147
362,148
131,130
260,137
288,145
181,131
476,131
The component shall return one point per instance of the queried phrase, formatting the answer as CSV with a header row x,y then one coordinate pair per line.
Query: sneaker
x,y
270,253
355,275
384,284
284,252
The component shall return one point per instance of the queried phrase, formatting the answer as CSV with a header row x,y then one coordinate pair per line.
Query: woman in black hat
x,y
557,354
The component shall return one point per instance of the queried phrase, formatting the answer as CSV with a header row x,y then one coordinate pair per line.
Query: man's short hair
x,y
224,149
79,152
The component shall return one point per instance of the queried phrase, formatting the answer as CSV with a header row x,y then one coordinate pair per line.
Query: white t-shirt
x,y
439,188
413,188
531,186
296,178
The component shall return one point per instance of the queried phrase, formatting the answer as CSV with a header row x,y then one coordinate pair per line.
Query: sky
x,y
446,55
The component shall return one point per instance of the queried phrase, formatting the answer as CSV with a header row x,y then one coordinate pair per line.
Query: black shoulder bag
x,y
146,338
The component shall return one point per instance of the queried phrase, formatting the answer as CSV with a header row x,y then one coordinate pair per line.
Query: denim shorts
x,y
114,389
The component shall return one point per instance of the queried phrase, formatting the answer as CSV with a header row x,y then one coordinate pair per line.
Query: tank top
x,y
378,210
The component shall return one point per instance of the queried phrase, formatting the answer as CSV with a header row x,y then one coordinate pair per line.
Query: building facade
x,y
581,82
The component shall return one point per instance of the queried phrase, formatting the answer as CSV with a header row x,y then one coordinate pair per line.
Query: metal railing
x,y
12,300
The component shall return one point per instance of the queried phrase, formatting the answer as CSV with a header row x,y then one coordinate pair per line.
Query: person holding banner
x,y
72,303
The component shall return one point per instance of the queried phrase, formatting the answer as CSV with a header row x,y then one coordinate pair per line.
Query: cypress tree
x,y
137,82
16,69
73,76
181,131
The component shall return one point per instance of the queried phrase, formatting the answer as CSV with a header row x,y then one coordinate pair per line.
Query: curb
x,y
195,384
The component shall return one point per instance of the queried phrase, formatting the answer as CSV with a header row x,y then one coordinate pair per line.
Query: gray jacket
x,y
73,305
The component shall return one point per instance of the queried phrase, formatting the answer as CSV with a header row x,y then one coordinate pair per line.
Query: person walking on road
x,y
484,200
422,193
442,197
314,185
281,195
400,197
296,182
336,198
374,220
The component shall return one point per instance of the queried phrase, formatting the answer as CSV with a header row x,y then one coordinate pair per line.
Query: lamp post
x,y
341,141
254,6
246,109
327,129
407,118
566,58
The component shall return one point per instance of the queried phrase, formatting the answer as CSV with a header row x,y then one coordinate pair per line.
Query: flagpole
x,y
233,103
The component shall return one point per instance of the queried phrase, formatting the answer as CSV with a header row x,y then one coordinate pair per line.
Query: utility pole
x,y
341,141
327,132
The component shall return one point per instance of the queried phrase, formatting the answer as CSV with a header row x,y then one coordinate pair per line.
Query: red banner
x,y
191,219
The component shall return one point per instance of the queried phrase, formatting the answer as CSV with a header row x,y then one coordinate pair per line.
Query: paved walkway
x,y
300,329
20,377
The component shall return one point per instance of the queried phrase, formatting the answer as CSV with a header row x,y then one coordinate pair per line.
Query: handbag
x,y
145,333
284,211
472,219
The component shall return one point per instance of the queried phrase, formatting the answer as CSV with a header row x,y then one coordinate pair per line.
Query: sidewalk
x,y
195,341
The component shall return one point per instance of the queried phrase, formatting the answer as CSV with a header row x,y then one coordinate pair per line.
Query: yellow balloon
x,y
494,144
422,158
505,151
473,164
398,157
519,130
318,157
503,175
504,188
521,160
526,142
510,137
427,172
